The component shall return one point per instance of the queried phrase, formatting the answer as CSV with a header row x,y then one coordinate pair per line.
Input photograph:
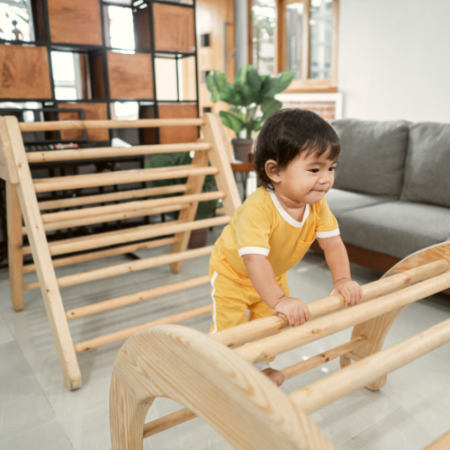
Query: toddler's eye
x,y
332,169
314,170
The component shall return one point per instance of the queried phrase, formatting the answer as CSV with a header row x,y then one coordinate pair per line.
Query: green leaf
x,y
247,94
232,121
216,82
275,85
269,106
232,96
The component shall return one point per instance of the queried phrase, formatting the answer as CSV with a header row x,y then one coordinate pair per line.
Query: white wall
x,y
394,59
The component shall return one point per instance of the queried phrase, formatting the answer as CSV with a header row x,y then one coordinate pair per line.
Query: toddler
x,y
295,158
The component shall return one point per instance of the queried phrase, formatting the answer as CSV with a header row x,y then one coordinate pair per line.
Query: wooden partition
x,y
210,158
213,376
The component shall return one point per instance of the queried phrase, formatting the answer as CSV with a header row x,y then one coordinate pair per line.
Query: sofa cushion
x,y
342,201
427,169
372,156
396,228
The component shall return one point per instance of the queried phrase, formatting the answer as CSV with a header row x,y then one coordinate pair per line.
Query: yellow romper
x,y
260,226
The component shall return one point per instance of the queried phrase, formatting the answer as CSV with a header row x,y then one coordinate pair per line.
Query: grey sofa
x,y
392,189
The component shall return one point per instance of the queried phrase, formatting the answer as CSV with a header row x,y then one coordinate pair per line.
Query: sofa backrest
x,y
427,169
372,156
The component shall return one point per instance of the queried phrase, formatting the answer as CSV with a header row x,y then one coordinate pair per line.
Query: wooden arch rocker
x,y
211,157
213,376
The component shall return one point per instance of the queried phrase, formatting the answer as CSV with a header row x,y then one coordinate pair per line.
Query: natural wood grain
x,y
323,392
248,410
9,131
114,152
104,253
15,245
181,111
108,124
174,28
75,22
20,64
135,298
111,197
130,76
92,111
122,177
376,329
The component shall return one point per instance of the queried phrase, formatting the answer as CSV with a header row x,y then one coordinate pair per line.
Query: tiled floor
x,y
38,413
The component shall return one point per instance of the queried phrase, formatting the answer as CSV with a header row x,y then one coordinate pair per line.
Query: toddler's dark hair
x,y
289,132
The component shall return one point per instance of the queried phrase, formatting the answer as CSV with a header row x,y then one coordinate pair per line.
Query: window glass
x,y
263,36
321,32
15,21
121,27
294,31
66,75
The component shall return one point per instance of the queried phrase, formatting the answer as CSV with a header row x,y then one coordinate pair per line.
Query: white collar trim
x,y
289,219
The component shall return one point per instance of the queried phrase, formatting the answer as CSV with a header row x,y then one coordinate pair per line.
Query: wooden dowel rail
x,y
443,443
184,415
120,177
323,392
250,331
274,345
130,235
91,220
104,253
114,152
135,298
120,269
112,197
124,334
131,206
107,124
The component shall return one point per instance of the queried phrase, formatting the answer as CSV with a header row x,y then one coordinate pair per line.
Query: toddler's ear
x,y
272,171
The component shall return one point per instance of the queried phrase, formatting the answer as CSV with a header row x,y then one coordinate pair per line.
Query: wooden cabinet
x,y
75,21
130,75
173,135
25,72
174,28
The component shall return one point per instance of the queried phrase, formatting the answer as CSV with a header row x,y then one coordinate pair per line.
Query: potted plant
x,y
204,210
251,100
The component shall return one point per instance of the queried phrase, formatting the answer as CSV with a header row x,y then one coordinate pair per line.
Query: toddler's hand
x,y
351,291
294,309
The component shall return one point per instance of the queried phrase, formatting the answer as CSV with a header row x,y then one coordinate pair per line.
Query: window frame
x,y
306,84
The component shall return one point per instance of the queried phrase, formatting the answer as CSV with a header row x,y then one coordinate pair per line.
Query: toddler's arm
x,y
263,279
337,259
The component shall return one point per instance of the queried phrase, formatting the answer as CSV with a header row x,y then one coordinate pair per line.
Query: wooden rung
x,y
323,392
325,326
120,177
114,152
124,334
258,329
131,206
443,443
129,235
104,253
135,298
112,197
109,217
184,415
108,124
120,269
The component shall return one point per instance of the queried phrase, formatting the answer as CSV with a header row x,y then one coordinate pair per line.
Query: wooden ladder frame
x,y
214,377
211,157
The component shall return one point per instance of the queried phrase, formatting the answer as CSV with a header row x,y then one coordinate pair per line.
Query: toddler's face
x,y
306,179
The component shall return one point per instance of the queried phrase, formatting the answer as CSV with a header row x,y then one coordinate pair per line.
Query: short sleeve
x,y
252,231
327,225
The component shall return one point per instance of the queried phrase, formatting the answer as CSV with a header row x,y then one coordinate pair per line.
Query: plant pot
x,y
198,238
242,149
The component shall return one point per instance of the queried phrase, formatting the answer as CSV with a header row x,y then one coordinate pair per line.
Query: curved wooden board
x,y
231,395
376,330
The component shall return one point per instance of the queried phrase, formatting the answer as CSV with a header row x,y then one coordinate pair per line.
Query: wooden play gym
x,y
211,156
213,376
